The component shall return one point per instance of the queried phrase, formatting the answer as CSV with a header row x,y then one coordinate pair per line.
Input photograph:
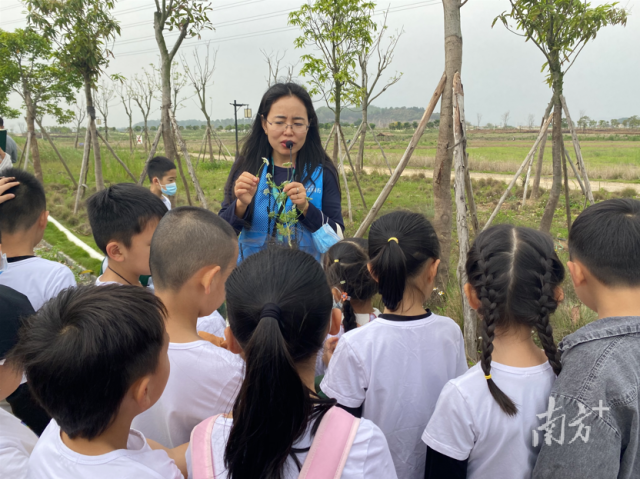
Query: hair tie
x,y
336,260
488,377
393,239
345,297
272,310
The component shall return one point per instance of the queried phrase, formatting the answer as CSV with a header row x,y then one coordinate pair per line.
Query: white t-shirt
x,y
38,279
166,202
16,443
204,381
213,324
469,424
52,459
369,456
396,369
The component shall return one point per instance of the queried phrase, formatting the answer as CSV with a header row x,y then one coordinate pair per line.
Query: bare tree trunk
x,y
535,189
170,149
444,154
209,139
192,171
151,154
146,135
84,168
344,177
556,185
130,135
360,159
75,145
35,151
336,121
91,111
567,199
26,149
462,225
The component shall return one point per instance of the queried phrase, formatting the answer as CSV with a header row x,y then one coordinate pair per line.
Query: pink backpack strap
x,y
201,452
331,445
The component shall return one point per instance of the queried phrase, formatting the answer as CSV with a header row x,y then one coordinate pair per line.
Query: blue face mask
x,y
325,237
3,263
169,189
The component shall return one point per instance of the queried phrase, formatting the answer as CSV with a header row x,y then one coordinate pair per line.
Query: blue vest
x,y
263,228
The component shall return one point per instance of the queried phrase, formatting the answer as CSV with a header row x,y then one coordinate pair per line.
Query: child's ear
x,y
336,321
559,294
472,296
433,270
43,219
577,272
115,251
140,391
371,272
210,274
232,343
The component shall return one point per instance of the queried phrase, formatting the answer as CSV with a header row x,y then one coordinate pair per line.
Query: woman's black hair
x,y
346,268
279,306
400,243
515,272
256,145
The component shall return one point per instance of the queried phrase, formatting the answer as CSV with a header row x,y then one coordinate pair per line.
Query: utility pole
x,y
235,114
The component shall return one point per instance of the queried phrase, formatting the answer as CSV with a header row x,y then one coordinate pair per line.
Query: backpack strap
x,y
331,445
201,452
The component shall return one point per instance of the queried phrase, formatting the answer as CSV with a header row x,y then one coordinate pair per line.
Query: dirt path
x,y
611,186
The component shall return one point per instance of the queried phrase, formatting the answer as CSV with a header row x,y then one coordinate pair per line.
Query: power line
x,y
398,8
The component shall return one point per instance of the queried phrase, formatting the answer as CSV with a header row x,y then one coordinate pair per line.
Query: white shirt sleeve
x,y
62,279
451,430
346,379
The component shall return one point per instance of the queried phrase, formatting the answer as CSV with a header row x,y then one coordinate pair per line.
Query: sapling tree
x,y
337,29
83,32
560,29
29,69
189,18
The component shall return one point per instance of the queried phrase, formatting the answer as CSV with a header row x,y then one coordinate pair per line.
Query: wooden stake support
x,y
192,171
27,148
575,172
576,147
152,153
381,149
46,135
384,194
459,185
126,168
326,145
543,132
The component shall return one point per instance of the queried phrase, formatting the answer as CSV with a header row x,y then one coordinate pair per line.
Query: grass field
x,y
412,193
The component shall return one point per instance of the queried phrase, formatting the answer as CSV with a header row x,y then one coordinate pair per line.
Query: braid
x,y
348,316
490,315
548,304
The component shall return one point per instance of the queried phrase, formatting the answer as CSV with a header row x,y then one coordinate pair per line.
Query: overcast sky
x,y
500,72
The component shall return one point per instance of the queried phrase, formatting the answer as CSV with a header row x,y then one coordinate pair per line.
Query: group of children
x,y
124,381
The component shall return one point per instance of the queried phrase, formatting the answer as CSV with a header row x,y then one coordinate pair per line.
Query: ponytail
x,y
400,243
264,422
279,323
514,272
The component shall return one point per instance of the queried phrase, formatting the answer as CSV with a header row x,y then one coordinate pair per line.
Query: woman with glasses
x,y
284,146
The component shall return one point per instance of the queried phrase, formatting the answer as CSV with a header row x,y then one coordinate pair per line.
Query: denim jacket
x,y
594,428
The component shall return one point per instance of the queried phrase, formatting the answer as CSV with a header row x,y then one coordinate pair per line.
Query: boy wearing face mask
x,y
162,175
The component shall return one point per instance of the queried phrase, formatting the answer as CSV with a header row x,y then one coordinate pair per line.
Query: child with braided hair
x,y
483,422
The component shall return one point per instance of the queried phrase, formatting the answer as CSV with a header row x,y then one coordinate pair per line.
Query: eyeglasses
x,y
280,126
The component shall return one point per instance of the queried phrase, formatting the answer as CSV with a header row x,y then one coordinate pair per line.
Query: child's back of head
x,y
400,245
23,211
85,349
605,238
186,240
347,273
121,212
279,306
515,273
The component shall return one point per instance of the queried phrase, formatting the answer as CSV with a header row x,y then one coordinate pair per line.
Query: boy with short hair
x,y
162,175
123,219
591,428
193,251
16,439
96,358
22,224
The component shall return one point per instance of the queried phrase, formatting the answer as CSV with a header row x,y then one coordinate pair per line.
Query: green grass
x,y
58,240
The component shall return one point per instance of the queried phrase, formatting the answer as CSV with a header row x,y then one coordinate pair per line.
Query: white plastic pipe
x,y
75,240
